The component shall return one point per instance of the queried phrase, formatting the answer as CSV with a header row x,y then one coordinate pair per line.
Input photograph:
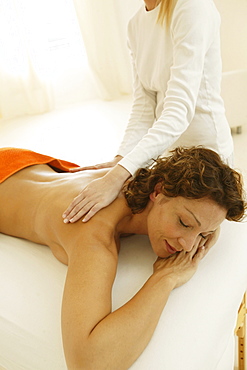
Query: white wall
x,y
233,33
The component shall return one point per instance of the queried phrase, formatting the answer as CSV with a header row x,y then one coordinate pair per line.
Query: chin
x,y
162,254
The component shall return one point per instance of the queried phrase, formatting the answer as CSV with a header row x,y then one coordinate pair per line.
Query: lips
x,y
170,249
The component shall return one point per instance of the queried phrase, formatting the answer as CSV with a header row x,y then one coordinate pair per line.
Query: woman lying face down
x,y
179,203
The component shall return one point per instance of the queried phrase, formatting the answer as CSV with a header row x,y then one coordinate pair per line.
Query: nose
x,y
187,242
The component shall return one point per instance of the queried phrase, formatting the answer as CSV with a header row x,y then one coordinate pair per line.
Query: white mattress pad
x,y
196,329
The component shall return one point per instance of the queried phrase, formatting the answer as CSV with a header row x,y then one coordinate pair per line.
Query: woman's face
x,y
176,224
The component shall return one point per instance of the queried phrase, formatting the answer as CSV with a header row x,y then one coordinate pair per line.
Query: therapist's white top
x,y
177,77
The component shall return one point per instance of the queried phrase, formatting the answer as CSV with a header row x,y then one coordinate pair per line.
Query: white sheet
x,y
194,332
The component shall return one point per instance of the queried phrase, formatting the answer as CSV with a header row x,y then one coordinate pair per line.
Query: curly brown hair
x,y
193,173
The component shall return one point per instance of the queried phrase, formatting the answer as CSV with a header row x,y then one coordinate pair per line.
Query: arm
x,y
193,29
93,336
141,119
100,193
142,113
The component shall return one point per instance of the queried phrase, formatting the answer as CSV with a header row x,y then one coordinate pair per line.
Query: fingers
x,y
79,207
198,253
202,247
208,243
193,257
193,251
96,166
73,209
78,169
91,212
98,194
87,210
77,212
86,205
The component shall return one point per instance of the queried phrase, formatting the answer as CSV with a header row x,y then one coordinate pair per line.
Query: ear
x,y
156,192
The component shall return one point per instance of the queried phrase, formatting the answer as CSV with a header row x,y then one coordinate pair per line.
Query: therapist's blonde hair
x,y
165,12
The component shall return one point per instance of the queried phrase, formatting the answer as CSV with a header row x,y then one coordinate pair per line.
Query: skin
x,y
99,193
90,330
151,4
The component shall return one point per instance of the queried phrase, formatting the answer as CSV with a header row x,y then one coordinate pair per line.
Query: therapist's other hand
x,y
99,166
96,195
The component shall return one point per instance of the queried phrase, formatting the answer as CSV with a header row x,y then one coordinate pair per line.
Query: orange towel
x,y
13,160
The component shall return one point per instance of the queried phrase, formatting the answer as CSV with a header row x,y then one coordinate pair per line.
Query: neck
x,y
133,223
151,4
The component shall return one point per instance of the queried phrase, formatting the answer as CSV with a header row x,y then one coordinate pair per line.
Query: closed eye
x,y
182,223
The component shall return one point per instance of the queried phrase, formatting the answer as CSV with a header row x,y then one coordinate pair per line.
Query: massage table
x,y
195,331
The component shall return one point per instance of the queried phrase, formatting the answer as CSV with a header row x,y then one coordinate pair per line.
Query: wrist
x,y
119,173
117,176
165,280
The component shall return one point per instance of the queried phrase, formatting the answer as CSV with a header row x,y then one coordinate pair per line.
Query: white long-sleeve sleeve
x,y
142,115
177,76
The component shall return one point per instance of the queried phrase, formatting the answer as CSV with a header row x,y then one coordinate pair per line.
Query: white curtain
x,y
43,63
103,27
22,88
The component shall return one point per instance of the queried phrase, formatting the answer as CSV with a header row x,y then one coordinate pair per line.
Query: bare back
x,y
32,202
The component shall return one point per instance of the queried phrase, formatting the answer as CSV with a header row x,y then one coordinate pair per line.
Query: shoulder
x,y
143,21
92,247
195,20
195,11
99,235
136,16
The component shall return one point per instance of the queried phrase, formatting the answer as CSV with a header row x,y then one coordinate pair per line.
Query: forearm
x,y
119,339
95,338
141,118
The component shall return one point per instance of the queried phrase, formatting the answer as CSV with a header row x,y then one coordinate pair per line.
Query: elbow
x,y
80,359
79,355
88,358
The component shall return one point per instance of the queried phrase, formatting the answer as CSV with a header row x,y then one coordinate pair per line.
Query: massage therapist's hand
x,y
179,267
96,195
99,166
